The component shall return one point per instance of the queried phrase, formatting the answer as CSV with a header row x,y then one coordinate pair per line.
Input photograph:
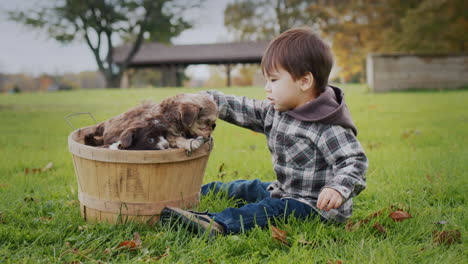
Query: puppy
x,y
189,118
143,135
136,129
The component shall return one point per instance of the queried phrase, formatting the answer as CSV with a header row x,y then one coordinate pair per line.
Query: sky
x,y
28,51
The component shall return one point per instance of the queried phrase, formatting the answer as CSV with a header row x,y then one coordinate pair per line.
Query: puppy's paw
x,y
194,143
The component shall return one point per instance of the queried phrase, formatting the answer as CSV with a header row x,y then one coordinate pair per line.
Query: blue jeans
x,y
259,207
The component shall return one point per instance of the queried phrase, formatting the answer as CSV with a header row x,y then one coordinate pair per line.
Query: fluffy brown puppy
x,y
143,135
136,129
189,118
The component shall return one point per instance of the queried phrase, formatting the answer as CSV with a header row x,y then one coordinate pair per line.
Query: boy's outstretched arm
x,y
342,150
240,110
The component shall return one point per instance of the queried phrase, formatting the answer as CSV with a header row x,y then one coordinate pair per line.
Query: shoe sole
x,y
172,216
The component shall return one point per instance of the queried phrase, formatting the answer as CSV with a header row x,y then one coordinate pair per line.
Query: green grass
x,y
416,144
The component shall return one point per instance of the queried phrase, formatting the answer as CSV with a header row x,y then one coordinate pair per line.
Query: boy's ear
x,y
306,82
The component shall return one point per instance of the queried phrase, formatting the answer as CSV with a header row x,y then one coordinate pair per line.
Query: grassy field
x,y
416,143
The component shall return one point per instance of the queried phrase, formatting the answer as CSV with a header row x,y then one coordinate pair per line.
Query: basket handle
x,y
80,113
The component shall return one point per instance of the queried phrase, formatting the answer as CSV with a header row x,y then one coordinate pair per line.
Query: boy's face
x,y
284,92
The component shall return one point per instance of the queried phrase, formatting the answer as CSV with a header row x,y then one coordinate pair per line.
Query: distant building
x,y
173,59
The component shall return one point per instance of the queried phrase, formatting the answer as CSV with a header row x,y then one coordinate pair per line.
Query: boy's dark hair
x,y
299,51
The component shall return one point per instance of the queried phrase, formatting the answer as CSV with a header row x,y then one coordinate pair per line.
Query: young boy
x,y
319,163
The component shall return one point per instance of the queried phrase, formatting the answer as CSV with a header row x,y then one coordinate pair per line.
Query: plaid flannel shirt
x,y
307,156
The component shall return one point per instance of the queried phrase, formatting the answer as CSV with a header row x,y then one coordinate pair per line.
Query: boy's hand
x,y
329,199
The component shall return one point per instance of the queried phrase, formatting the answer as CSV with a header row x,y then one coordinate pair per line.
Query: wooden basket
x,y
121,185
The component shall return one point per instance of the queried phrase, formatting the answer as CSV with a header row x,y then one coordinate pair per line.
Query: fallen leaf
x,y
448,237
376,213
128,244
351,226
132,244
380,228
38,170
279,235
34,170
355,226
107,251
399,216
336,262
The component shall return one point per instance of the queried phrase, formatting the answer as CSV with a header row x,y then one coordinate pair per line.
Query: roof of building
x,y
157,54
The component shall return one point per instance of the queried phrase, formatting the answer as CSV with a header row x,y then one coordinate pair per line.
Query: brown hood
x,y
328,108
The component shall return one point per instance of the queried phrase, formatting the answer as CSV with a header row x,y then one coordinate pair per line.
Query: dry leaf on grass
x,y
38,170
279,235
399,216
376,213
351,226
447,237
380,228
335,262
131,244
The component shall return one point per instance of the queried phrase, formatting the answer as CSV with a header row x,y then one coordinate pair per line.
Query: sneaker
x,y
196,222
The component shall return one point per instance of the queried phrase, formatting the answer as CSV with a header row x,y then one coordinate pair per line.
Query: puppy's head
x,y
198,114
145,135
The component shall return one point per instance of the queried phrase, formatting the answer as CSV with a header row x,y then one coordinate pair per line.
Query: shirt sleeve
x,y
342,150
240,110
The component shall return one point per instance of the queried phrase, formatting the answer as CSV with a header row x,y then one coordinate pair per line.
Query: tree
x,y
102,23
265,19
443,29
357,27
